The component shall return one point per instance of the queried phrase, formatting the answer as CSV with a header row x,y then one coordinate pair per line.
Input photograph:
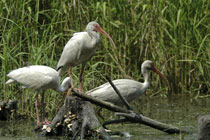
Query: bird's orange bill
x,y
161,75
107,35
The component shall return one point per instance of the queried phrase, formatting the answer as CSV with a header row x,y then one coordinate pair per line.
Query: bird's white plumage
x,y
36,77
130,89
39,78
78,50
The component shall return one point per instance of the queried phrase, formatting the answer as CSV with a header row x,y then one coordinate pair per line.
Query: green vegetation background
x,y
174,34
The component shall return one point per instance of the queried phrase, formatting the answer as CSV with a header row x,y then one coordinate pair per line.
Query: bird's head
x,y
149,65
66,83
93,26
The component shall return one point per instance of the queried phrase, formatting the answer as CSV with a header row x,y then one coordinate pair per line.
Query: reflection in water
x,y
19,130
180,111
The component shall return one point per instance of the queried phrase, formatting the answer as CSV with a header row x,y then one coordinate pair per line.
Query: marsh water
x,y
180,111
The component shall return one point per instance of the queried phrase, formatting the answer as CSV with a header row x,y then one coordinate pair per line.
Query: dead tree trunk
x,y
75,119
8,109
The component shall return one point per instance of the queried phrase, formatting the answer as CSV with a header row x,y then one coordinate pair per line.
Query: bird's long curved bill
x,y
107,35
163,77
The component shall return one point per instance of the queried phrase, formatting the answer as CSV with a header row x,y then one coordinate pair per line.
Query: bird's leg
x,y
37,110
43,110
43,105
64,96
80,78
70,75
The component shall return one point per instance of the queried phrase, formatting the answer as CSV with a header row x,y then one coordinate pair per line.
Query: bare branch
x,y
118,93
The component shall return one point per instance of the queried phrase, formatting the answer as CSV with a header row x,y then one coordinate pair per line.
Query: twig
x,y
118,93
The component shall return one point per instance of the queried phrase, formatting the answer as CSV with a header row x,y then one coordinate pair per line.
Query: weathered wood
x,y
204,127
8,109
101,103
131,115
75,119
138,118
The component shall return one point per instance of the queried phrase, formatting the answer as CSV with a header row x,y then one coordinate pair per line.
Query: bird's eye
x,y
151,65
95,27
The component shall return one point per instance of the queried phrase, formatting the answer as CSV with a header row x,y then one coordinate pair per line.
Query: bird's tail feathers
x,y
10,81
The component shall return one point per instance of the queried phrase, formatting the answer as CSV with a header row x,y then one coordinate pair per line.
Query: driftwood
x,y
204,127
8,109
75,119
130,116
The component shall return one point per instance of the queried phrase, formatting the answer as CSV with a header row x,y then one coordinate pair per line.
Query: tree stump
x,y
8,109
75,119
204,127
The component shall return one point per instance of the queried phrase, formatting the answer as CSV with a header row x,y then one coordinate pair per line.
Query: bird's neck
x,y
146,79
62,88
95,36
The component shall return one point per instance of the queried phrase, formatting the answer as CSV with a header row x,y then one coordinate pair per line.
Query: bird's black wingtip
x,y
59,68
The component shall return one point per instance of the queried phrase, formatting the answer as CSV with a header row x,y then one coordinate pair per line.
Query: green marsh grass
x,y
173,34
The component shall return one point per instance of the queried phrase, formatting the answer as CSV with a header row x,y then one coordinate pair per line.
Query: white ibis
x,y
79,49
129,89
39,78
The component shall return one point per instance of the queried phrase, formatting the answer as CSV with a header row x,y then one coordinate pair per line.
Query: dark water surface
x,y
180,111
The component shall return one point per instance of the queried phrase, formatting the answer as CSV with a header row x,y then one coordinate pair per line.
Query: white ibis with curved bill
x,y
39,78
79,49
129,89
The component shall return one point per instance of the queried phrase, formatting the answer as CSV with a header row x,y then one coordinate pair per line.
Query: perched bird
x,y
79,49
39,78
129,89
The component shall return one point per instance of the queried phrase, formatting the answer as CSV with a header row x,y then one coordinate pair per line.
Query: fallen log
x,y
8,109
130,116
75,119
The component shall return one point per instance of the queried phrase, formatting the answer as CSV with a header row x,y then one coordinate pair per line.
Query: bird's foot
x,y
46,122
77,90
69,93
